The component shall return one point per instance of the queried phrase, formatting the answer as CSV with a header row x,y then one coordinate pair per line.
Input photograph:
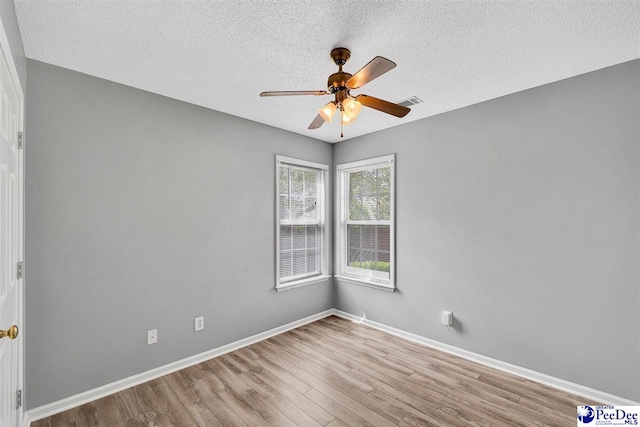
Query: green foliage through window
x,y
372,265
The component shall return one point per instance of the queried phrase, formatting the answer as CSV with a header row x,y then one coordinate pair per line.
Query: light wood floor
x,y
331,373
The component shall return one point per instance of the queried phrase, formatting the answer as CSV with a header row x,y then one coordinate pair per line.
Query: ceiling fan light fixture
x,y
341,83
351,107
328,111
346,118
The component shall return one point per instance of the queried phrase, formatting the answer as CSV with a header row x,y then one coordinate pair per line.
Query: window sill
x,y
367,283
300,283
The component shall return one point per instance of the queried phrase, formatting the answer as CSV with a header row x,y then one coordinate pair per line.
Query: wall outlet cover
x,y
152,336
199,323
447,318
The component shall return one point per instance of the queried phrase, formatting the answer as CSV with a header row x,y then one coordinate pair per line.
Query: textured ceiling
x,y
222,54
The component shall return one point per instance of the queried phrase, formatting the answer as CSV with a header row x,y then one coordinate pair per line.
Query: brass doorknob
x,y
12,333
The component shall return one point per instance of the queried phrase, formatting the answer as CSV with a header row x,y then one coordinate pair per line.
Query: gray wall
x,y
521,215
10,24
144,212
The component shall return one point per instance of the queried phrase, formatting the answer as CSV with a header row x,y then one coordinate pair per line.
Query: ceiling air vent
x,y
410,101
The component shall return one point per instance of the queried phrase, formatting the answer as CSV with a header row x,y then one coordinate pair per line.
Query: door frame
x,y
5,51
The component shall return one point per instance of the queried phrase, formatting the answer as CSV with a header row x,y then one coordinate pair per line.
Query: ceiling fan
x,y
341,83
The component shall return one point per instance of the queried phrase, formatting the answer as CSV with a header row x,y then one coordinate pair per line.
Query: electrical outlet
x,y
152,336
199,323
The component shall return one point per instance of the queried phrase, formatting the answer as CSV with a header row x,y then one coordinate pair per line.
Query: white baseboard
x,y
111,388
125,383
529,374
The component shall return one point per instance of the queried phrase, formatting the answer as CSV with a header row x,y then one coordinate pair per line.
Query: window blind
x,y
300,222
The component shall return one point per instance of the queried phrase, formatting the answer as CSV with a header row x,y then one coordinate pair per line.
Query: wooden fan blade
x,y
295,93
382,105
374,69
317,122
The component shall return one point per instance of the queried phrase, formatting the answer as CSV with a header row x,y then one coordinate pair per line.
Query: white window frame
x,y
323,217
344,271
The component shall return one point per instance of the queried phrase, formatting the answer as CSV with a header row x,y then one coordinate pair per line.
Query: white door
x,y
11,238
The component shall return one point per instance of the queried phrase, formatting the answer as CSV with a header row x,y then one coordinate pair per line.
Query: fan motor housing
x,y
338,81
340,55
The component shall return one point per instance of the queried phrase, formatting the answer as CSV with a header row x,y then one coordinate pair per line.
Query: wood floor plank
x,y
108,412
284,375
323,370
234,382
428,413
128,404
337,423
464,384
399,381
407,396
205,418
216,405
202,371
189,399
307,353
336,373
272,414
177,412
87,415
269,352
356,402
46,422
231,363
63,418
241,407
293,412
339,411
137,421
248,352
296,397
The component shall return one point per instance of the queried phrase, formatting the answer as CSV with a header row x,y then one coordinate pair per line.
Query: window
x,y
366,232
301,229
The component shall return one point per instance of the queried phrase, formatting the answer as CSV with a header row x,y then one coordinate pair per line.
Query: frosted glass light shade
x,y
328,111
351,107
346,118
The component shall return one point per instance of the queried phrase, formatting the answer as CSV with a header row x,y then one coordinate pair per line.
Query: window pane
x,y
354,258
355,196
312,261
369,237
284,193
284,180
297,182
353,236
285,237
299,237
311,182
311,236
370,194
299,250
310,208
285,264
369,197
368,261
384,257
284,207
355,207
383,238
298,261
300,243
297,207
383,192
